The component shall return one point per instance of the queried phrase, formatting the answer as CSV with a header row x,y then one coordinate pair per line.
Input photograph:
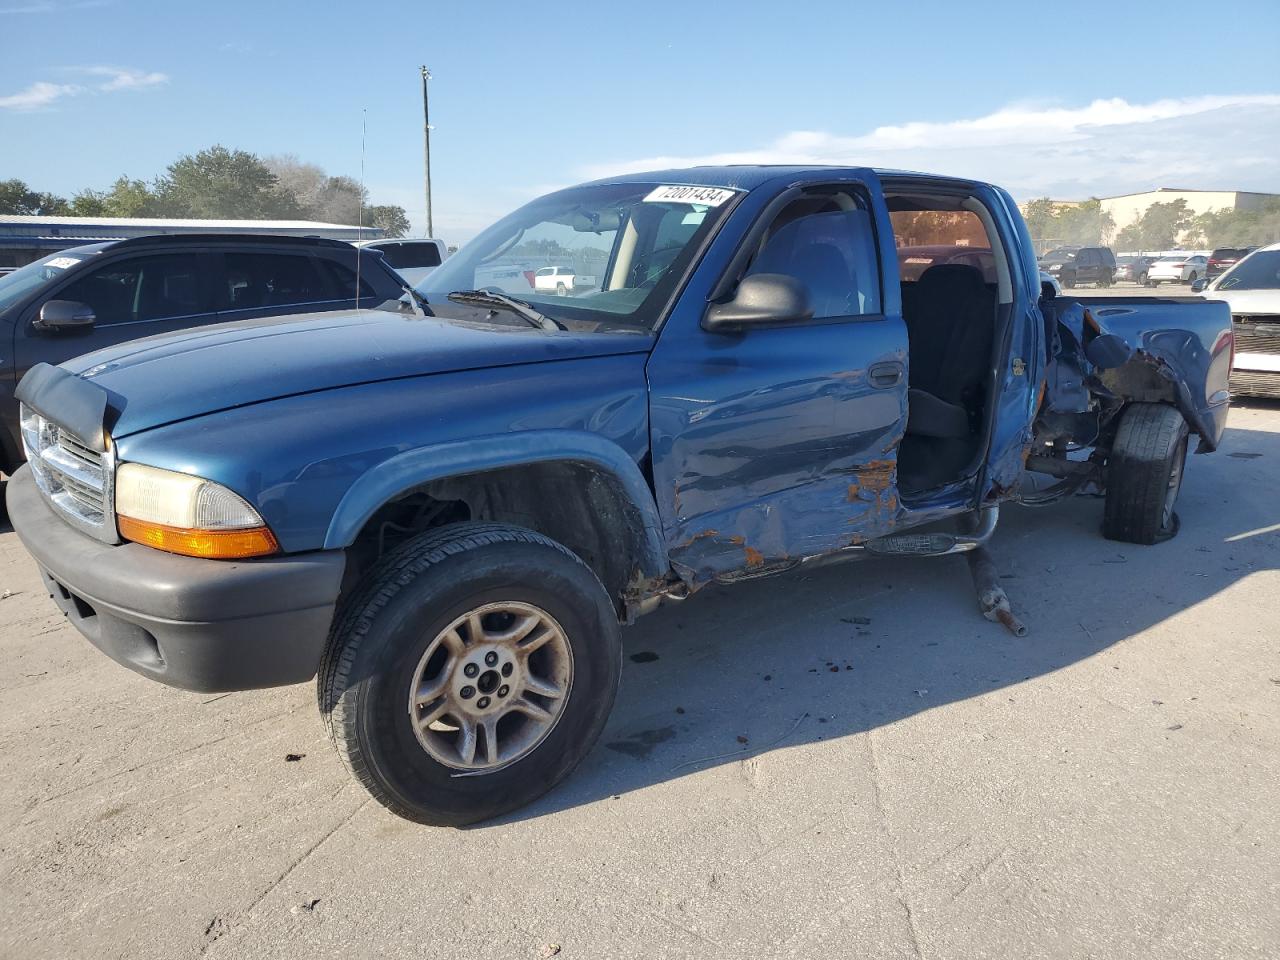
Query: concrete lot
x,y
915,781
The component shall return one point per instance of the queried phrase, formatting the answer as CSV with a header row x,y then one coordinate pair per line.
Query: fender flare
x,y
413,468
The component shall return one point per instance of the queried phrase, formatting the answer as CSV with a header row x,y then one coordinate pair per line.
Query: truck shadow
x,y
740,671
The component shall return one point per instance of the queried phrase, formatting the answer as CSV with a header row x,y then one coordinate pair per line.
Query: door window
x,y
827,242
263,280
142,288
343,279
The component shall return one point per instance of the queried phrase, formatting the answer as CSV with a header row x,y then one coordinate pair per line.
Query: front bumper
x,y
208,625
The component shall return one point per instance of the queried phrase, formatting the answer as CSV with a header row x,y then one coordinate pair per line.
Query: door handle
x,y
885,375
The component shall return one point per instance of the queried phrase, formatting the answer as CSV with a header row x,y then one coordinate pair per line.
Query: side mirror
x,y
761,299
64,316
1199,285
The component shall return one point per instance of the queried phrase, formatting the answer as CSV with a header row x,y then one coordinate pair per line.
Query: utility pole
x,y
426,147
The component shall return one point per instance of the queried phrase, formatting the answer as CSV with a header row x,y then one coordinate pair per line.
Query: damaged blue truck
x,y
445,514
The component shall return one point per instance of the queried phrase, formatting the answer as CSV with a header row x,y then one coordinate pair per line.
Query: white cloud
x,y
39,94
1108,146
124,78
109,80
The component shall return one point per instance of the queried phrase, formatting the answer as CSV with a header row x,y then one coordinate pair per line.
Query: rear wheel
x,y
1144,474
1193,278
470,674
1069,280
561,289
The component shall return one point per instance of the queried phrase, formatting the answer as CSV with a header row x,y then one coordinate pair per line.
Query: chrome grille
x,y
1257,334
73,477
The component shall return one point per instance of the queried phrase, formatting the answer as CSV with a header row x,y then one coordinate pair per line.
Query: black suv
x,y
84,298
1075,265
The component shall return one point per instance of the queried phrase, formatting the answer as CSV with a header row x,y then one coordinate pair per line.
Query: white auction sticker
x,y
61,263
700,196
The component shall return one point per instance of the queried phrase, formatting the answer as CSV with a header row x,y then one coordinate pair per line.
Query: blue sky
x,y
1069,99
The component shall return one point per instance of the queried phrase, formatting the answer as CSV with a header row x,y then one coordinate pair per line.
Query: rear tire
x,y
1193,278
1069,281
383,638
1144,474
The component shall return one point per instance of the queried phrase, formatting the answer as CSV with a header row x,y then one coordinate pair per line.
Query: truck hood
x,y
177,376
1245,302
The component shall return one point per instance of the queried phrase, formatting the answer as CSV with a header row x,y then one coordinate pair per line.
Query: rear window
x,y
1227,253
400,255
258,280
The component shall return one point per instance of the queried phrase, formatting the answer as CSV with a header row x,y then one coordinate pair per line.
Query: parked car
x,y
1178,268
1223,259
84,298
446,520
1074,266
412,259
1251,288
1133,268
562,281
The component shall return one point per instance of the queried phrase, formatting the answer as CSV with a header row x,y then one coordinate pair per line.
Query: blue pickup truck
x,y
445,514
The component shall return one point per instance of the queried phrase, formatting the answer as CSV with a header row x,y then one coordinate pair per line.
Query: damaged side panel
x,y
779,450
1149,349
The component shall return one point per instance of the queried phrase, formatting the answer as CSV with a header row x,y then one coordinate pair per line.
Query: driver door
x,y
780,441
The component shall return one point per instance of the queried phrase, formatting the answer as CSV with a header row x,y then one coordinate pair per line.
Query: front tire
x,y
1193,278
1144,474
470,673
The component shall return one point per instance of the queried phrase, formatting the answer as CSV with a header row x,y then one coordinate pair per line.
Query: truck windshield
x,y
599,257
1258,271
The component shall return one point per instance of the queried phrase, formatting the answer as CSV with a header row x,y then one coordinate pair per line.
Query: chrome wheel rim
x,y
491,686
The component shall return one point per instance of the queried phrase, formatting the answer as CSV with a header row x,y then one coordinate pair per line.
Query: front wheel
x,y
1193,278
1144,474
471,672
1069,281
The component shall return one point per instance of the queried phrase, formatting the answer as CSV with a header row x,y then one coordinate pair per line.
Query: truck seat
x,y
950,319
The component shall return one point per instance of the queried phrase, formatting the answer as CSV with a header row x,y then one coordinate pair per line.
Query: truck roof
x,y
750,176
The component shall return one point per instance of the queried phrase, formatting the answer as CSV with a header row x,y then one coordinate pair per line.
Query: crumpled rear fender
x,y
1147,349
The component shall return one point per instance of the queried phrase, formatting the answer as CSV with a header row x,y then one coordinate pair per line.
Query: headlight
x,y
188,515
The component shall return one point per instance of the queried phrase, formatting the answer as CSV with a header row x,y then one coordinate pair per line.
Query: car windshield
x,y
1258,271
15,286
620,250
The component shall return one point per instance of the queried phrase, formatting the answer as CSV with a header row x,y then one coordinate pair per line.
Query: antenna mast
x,y
426,147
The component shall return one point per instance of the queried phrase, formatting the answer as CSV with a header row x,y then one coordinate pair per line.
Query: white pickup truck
x,y
561,280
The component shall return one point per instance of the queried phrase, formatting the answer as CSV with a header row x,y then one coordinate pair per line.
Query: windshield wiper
x,y
417,302
500,301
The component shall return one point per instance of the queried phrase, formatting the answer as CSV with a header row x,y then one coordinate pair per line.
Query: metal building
x,y
27,238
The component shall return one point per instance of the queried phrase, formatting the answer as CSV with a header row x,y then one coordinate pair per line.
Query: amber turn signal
x,y
213,544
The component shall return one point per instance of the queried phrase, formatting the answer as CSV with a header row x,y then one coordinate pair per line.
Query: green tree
x,y
391,218
218,183
1160,227
1085,224
1241,228
18,198
1041,217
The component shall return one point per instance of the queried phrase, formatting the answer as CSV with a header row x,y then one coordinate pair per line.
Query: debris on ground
x,y
293,757
549,950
